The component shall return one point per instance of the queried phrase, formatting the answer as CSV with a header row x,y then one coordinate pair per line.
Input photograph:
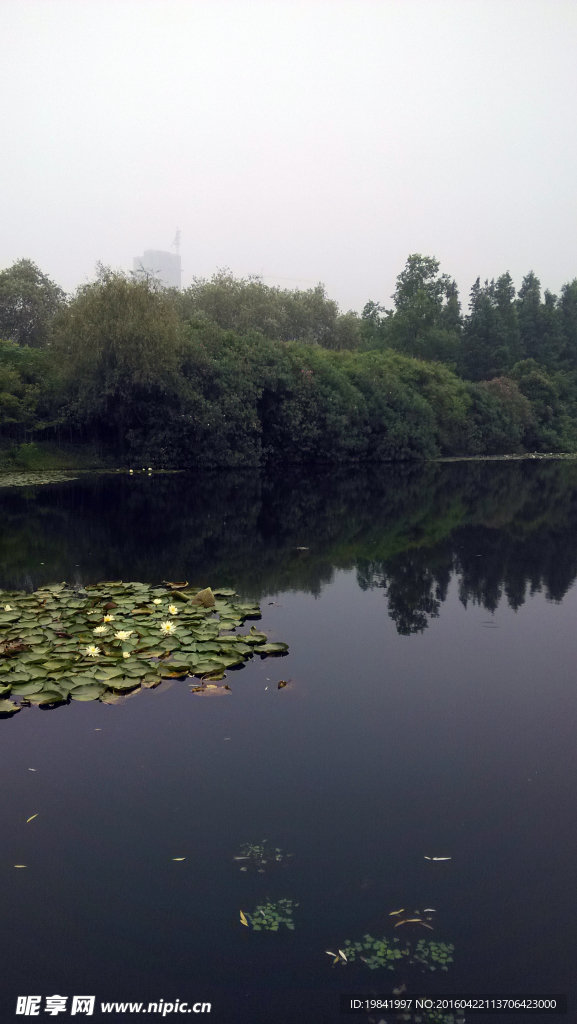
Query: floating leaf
x,y
8,707
24,689
205,598
32,818
47,697
211,690
243,919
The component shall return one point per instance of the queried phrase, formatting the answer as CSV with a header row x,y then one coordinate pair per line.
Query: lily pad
x,y
8,707
87,689
27,688
125,683
47,697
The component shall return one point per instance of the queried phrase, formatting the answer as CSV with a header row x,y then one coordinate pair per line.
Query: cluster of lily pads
x,y
107,639
268,916
385,952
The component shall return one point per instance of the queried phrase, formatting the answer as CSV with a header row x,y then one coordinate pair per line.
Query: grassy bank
x,y
44,456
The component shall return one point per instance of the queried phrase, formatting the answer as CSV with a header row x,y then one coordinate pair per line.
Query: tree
x,y
29,301
117,344
491,343
568,312
427,318
245,305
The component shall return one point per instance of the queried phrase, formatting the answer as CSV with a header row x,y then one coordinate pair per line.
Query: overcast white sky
x,y
312,141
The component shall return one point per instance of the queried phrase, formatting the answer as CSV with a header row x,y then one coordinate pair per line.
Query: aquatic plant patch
x,y
269,917
379,953
64,643
256,856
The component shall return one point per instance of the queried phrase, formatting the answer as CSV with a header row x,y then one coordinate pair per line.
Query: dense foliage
x,y
232,372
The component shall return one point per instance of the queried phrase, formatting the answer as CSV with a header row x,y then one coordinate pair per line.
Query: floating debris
x,y
32,818
394,912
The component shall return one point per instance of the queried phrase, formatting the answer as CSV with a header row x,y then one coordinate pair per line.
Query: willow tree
x,y
117,344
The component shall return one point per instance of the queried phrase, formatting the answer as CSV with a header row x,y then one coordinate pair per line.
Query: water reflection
x,y
505,530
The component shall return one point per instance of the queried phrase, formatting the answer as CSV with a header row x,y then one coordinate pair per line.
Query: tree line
x,y
232,372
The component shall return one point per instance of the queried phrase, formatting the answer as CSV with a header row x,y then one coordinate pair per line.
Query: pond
x,y
420,758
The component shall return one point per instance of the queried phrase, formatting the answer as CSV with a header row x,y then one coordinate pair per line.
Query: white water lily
x,y
123,634
100,629
173,609
7,607
108,618
168,628
92,651
157,601
125,654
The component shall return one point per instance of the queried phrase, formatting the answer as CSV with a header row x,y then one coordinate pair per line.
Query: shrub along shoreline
x,y
128,374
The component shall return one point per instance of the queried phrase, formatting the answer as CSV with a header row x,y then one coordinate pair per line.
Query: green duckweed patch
x,y
63,643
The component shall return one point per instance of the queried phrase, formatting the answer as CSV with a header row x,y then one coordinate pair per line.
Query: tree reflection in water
x,y
504,529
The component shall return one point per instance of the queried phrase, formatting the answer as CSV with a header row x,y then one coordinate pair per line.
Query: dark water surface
x,y
431,711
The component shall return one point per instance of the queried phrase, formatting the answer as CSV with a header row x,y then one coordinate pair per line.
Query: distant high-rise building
x,y
163,266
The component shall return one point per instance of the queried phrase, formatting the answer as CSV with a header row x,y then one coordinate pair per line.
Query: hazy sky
x,y
315,141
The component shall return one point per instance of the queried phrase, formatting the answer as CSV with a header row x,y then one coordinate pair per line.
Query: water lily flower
x,y
92,651
157,600
168,628
108,618
173,609
123,634
125,654
7,607
100,629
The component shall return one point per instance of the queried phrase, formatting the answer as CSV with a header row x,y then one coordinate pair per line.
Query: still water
x,y
431,712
